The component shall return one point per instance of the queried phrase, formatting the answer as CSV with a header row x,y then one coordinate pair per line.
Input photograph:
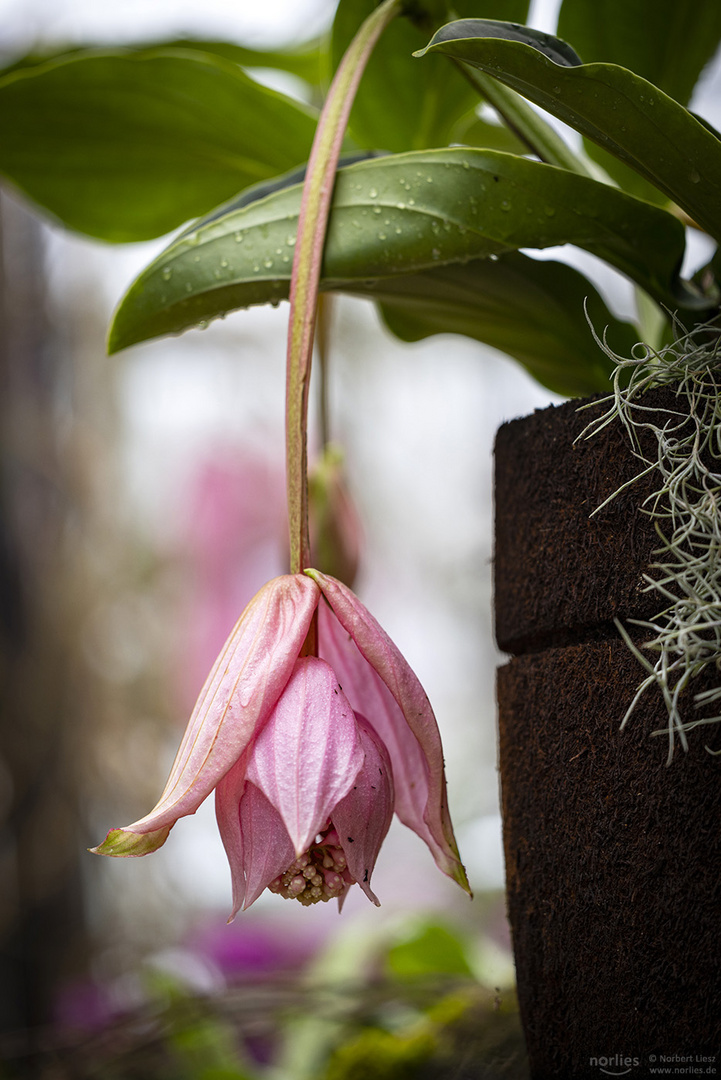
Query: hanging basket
x,y
613,858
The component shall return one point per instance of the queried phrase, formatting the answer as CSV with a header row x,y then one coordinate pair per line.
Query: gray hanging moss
x,y
685,506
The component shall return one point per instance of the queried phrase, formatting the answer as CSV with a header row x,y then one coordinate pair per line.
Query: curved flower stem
x,y
324,307
305,278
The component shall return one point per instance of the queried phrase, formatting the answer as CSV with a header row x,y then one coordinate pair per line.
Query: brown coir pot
x,y
613,859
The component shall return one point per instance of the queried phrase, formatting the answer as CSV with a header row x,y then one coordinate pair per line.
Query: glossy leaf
x,y
619,110
398,215
530,310
278,183
126,146
664,41
398,105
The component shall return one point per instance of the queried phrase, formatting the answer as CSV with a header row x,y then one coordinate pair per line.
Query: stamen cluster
x,y
319,874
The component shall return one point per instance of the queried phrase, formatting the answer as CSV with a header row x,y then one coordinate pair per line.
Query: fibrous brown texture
x,y
612,858
560,575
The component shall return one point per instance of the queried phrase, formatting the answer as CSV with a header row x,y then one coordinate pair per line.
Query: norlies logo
x,y
618,1065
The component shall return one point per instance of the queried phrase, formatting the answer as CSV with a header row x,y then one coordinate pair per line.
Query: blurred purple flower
x,y
83,1005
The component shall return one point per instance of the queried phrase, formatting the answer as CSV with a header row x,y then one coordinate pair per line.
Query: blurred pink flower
x,y
234,492
306,775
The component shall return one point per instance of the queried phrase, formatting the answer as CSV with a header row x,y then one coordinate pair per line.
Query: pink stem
x,y
305,278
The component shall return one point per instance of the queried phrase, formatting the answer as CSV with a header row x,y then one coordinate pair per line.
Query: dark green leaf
x,y
398,215
560,52
664,41
126,146
530,310
399,106
626,177
623,113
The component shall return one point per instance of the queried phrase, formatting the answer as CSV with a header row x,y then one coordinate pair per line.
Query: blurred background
x,y
142,507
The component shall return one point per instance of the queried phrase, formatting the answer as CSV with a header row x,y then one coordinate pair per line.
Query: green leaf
x,y
267,187
530,310
433,950
307,61
664,41
398,105
622,112
473,130
126,146
397,215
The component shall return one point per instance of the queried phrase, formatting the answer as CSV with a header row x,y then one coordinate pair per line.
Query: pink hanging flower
x,y
308,756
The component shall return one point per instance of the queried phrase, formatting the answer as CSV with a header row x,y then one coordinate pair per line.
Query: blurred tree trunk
x,y
42,931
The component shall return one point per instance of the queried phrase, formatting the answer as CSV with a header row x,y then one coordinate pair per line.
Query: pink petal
x,y
309,752
370,697
268,849
363,817
386,659
239,694
228,794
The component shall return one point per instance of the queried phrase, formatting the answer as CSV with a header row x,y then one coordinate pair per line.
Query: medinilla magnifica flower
x,y
308,756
